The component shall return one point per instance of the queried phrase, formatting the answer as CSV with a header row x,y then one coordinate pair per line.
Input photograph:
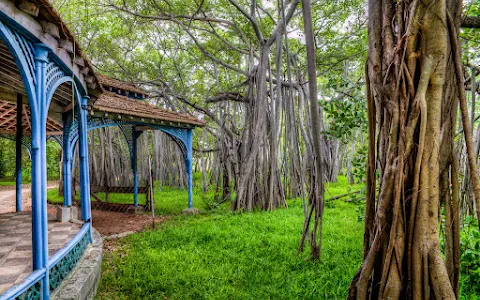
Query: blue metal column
x,y
188,165
18,157
83,149
67,165
134,166
39,170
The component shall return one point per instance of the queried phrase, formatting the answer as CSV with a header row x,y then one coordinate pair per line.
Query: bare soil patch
x,y
109,223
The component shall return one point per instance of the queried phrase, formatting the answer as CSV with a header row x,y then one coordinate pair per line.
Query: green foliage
x,y
360,213
470,256
3,160
7,161
470,36
54,157
347,115
358,164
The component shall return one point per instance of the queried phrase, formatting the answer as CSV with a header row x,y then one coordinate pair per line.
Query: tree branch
x,y
470,22
250,18
234,96
283,23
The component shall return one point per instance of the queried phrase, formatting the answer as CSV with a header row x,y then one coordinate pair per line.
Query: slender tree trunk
x,y
316,197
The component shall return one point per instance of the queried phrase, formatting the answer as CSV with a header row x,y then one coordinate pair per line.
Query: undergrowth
x,y
470,258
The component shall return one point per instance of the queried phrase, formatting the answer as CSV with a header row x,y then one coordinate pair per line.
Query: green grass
x,y
7,183
226,255
223,255
168,200
54,197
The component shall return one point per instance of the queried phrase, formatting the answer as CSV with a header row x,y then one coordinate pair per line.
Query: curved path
x,y
7,197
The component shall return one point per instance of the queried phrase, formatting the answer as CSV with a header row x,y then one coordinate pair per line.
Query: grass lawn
x,y
7,183
168,201
224,255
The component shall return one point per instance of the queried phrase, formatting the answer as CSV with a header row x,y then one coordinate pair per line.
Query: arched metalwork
x,y
54,78
181,136
56,138
23,51
42,72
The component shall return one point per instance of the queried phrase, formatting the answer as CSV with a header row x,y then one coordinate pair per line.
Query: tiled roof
x,y
49,13
113,103
106,81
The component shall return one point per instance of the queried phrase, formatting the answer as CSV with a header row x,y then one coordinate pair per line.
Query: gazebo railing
x,y
65,260
30,288
60,265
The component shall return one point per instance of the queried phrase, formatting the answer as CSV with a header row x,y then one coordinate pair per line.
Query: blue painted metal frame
x,y
181,136
22,288
83,149
63,262
68,149
133,160
18,154
27,36
42,72
39,113
64,259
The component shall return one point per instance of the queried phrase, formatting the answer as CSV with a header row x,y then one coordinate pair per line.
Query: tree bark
x,y
412,98
316,197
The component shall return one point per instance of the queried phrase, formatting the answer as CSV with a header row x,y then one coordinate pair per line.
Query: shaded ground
x,y
108,223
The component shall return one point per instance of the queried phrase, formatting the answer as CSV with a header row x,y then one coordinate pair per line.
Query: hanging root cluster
x,y
413,95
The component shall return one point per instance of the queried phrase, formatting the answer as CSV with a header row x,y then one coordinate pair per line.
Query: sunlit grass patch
x,y
168,200
236,256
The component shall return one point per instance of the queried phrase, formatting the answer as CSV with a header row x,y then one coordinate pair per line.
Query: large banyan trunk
x,y
258,184
412,103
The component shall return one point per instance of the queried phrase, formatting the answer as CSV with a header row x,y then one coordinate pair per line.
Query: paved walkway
x,y
7,198
16,245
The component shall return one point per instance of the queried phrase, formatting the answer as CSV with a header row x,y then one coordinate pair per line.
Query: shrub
x,y
470,256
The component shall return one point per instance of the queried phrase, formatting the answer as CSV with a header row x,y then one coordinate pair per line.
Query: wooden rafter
x,y
8,115
8,111
26,117
5,121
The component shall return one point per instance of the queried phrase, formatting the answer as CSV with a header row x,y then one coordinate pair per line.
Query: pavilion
x,y
49,90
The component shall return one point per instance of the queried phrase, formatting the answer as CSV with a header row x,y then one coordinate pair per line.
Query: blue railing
x,y
59,267
30,288
65,260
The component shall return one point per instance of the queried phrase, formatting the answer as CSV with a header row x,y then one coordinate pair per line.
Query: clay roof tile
x,y
113,103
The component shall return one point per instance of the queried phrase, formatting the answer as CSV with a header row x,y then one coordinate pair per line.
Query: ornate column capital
x,y
41,53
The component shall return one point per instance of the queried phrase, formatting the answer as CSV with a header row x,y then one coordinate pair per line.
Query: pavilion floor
x,y
16,245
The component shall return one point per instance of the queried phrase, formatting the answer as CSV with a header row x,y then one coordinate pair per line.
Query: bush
x,y
470,256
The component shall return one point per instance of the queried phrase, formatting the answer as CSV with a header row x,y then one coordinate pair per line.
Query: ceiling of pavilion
x,y
11,84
